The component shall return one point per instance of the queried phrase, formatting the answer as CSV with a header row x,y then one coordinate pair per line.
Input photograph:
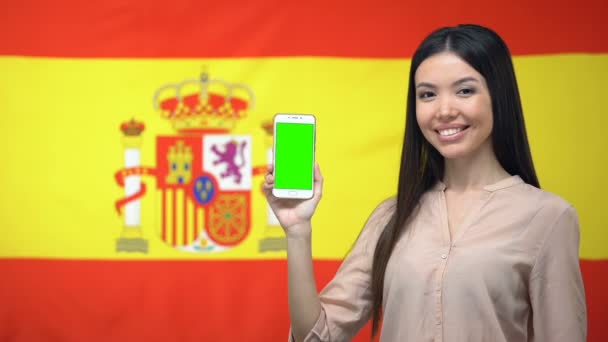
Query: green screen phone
x,y
294,155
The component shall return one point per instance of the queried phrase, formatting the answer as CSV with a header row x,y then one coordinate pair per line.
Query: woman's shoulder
x,y
386,207
540,206
537,214
382,214
543,199
377,221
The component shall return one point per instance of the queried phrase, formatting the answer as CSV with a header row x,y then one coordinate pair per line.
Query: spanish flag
x,y
134,135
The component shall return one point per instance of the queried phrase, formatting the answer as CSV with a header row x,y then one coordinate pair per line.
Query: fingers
x,y
269,177
267,191
268,181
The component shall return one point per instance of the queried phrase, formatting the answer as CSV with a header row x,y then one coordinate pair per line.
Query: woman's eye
x,y
425,95
466,91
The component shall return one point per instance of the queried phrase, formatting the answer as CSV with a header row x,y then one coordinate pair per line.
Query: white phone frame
x,y
298,119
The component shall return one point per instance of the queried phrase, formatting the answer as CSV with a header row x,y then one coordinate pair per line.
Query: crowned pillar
x,y
131,238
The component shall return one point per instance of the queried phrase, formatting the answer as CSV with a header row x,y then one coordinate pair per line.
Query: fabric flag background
x,y
196,257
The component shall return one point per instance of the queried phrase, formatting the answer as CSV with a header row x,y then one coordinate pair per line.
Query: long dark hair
x,y
422,165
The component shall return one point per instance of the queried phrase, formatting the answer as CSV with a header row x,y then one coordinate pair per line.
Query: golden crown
x,y
132,128
203,105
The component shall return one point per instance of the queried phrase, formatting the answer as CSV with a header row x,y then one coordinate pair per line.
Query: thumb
x,y
318,182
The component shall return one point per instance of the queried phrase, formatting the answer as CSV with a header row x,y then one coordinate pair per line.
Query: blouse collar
x,y
501,184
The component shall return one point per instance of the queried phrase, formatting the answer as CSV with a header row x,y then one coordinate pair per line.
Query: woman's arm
x,y
343,306
304,304
345,303
557,293
294,217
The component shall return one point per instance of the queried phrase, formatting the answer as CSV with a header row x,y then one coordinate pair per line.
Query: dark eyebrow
x,y
460,81
424,84
463,80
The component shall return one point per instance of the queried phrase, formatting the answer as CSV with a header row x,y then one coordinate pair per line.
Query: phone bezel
x,y
298,119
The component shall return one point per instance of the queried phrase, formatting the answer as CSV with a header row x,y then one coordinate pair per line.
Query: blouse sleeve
x,y
346,300
556,285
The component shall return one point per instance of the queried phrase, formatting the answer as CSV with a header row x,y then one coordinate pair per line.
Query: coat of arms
x,y
204,173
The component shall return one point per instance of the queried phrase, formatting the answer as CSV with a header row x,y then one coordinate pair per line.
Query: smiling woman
x,y
466,164
470,236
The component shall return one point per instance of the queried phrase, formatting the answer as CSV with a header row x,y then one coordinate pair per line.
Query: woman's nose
x,y
446,110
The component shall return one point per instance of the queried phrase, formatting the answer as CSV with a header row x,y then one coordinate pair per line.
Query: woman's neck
x,y
474,172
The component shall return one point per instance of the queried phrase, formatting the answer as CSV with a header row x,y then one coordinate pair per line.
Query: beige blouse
x,y
510,274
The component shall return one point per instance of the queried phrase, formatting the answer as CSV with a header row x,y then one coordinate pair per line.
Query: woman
x,y
471,249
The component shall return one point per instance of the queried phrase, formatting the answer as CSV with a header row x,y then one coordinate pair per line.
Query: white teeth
x,y
451,131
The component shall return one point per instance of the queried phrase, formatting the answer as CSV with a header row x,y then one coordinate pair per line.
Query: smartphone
x,y
294,155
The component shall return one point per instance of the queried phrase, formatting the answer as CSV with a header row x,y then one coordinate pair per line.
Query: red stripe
x,y
595,276
355,28
46,300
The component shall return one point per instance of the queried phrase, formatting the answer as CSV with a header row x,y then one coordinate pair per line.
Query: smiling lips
x,y
452,133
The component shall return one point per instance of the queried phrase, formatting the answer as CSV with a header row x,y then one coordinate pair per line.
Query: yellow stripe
x,y
199,222
61,144
168,218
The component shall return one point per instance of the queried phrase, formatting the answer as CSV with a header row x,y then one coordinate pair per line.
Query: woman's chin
x,y
454,152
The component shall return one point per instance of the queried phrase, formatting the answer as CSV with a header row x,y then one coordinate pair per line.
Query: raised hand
x,y
294,214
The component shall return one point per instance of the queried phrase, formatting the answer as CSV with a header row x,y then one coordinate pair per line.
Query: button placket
x,y
439,293
438,290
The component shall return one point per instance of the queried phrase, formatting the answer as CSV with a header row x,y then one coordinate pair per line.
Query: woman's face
x,y
453,106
